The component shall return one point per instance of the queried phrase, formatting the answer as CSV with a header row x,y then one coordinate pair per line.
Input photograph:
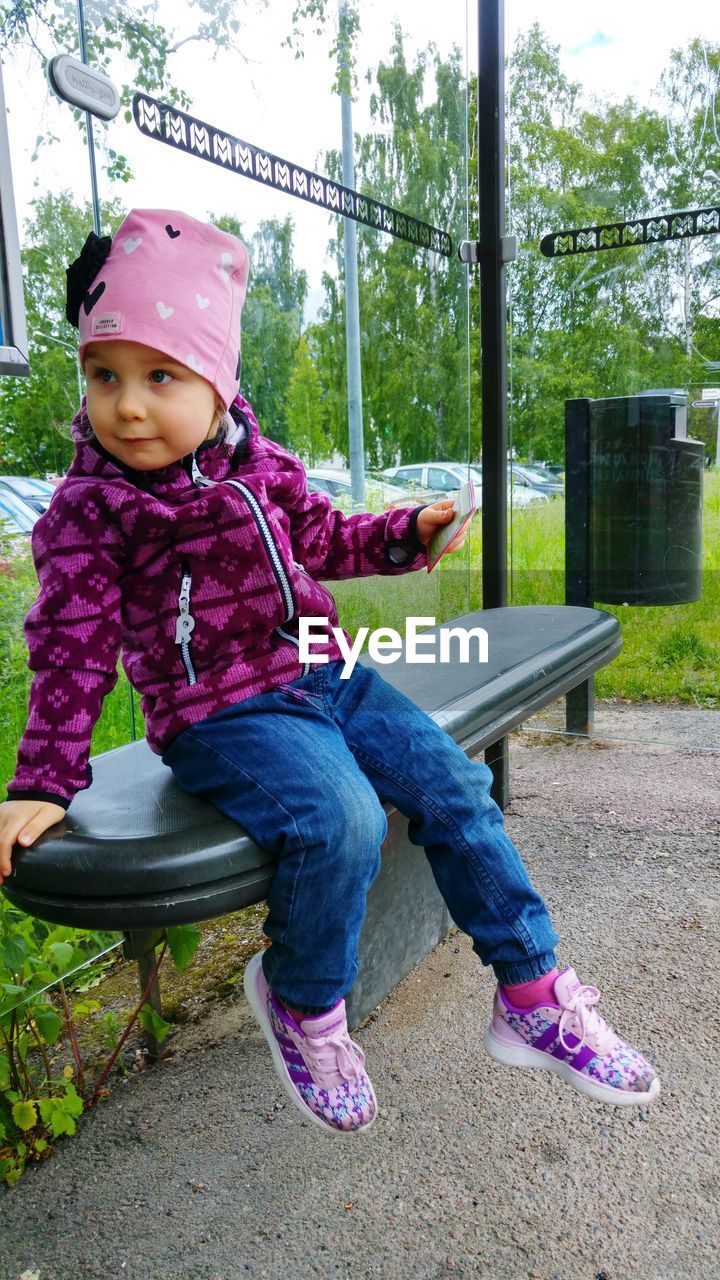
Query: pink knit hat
x,y
172,283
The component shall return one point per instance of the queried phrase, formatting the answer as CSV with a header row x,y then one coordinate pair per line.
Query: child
x,y
188,540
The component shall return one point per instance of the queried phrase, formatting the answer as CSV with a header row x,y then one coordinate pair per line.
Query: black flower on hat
x,y
82,272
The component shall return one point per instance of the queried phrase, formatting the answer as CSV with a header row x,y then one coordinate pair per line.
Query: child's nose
x,y
131,404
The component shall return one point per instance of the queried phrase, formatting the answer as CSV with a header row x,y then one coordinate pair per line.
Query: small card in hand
x,y
464,510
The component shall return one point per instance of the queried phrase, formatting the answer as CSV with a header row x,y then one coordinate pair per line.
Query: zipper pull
x,y
184,628
185,624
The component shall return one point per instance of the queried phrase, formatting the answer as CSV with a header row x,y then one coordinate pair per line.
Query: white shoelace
x,y
332,1058
581,1018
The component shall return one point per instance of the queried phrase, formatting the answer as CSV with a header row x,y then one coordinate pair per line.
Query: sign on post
x,y
13,329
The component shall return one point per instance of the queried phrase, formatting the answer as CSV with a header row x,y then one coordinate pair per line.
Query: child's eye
x,y
103,375
159,376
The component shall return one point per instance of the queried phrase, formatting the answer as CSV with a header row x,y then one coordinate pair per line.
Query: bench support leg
x,y
580,708
497,758
140,945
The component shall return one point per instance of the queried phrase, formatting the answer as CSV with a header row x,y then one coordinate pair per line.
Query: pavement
x,y
197,1169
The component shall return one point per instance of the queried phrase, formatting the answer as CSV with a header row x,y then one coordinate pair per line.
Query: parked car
x,y
34,491
378,493
552,468
449,476
445,477
530,478
17,516
416,494
16,525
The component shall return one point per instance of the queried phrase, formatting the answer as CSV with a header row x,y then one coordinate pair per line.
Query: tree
x,y
36,410
595,325
304,409
272,319
690,90
413,302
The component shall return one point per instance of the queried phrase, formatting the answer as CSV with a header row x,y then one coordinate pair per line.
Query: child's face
x,y
146,409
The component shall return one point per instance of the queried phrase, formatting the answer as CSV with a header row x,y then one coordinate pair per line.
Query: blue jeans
x,y
305,769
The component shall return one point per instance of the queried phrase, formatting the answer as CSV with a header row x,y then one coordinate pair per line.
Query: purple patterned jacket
x,y
198,582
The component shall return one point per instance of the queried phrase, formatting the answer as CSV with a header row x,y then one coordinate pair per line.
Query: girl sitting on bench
x,y
187,540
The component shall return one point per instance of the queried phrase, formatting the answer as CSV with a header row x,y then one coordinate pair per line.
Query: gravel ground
x,y
196,1169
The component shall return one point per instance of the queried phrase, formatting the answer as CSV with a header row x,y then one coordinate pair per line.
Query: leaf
x,y
48,1023
183,941
13,953
72,1103
61,954
81,1008
25,1115
58,1113
153,1024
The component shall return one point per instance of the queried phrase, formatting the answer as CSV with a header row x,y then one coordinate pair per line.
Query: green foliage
x,y
38,1105
272,319
304,408
36,410
183,941
413,303
605,324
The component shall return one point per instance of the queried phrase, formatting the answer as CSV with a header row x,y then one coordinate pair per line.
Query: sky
x,y
286,105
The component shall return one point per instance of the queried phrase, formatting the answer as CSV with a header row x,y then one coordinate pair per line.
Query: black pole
x,y
491,179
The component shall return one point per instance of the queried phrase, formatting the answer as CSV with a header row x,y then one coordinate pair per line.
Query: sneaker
x,y
319,1066
569,1038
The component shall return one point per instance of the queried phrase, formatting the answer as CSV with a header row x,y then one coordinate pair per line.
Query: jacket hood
x,y
215,458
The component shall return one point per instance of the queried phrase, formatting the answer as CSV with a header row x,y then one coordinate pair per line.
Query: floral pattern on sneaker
x,y
623,1068
320,1067
576,1041
347,1104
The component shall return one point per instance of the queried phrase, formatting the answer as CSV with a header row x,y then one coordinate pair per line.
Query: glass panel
x,y
48,157
409,85
610,122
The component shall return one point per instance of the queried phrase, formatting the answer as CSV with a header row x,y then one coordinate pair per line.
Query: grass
x,y
670,653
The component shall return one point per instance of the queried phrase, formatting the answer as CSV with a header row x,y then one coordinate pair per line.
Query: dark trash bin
x,y
639,480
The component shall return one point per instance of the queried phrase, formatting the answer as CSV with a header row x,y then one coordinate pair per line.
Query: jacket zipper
x,y
275,560
274,556
185,624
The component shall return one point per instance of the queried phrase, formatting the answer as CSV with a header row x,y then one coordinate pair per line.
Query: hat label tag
x,y
108,322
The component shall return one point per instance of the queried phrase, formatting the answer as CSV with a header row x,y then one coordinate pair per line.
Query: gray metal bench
x,y
137,854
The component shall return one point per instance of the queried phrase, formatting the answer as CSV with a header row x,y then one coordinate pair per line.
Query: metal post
x,y
140,944
493,321
352,298
89,125
580,701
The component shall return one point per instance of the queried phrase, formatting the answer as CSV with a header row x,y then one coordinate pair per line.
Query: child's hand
x,y
23,821
433,517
